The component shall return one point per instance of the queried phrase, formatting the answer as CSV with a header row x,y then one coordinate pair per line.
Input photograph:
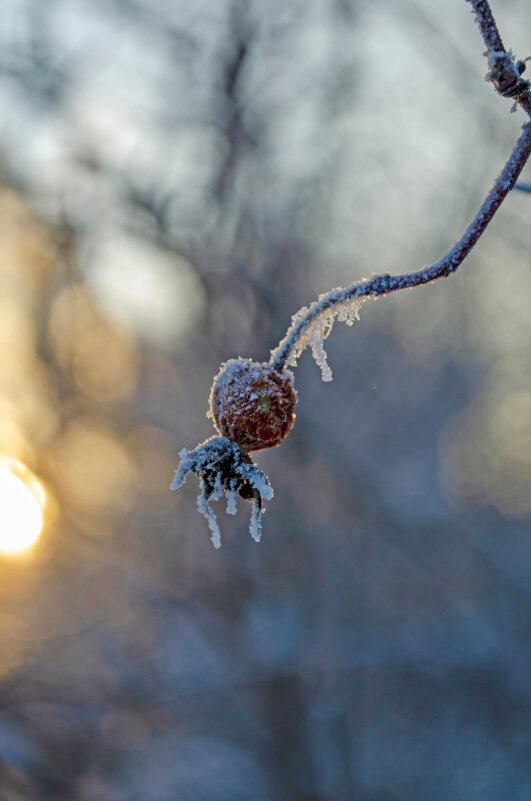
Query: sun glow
x,y
22,500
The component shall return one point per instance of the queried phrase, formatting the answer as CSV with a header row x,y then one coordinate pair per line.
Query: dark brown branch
x,y
505,72
487,26
314,324
384,284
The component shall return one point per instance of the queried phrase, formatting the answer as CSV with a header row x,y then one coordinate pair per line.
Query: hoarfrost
x,y
312,325
232,376
255,526
348,311
232,500
260,482
203,506
223,470
185,465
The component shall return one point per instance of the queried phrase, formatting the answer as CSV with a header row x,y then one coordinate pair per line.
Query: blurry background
x,y
177,179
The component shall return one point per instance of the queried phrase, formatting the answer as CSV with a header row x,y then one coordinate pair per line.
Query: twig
x,y
487,26
505,74
384,284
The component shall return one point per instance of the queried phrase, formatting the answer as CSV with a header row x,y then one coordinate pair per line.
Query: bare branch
x,y
384,284
310,326
505,72
487,26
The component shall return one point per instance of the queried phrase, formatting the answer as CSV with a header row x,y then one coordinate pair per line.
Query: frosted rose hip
x,y
253,403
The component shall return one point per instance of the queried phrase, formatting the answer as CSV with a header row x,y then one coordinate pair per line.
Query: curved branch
x,y
505,73
380,285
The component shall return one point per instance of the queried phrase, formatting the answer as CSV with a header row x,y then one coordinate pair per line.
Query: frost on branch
x,y
224,470
252,404
312,325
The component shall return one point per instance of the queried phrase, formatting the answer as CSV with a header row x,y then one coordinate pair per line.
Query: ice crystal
x,y
312,325
232,500
224,470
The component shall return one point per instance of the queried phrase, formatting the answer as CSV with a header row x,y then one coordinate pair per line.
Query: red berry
x,y
253,403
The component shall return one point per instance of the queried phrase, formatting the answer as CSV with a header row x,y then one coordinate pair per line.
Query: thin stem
x,y
505,72
505,75
487,26
380,285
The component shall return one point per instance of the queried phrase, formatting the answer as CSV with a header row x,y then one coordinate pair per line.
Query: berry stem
x,y
505,76
380,285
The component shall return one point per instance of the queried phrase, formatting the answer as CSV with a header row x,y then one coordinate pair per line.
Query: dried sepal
x,y
225,470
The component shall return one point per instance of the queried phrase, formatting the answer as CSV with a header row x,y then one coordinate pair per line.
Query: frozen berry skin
x,y
253,403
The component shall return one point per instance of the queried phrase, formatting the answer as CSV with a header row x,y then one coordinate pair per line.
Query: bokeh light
x,y
486,451
22,500
90,464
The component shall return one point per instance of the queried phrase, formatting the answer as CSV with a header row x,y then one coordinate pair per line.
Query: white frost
x,y
224,472
203,507
255,526
232,501
321,317
185,465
